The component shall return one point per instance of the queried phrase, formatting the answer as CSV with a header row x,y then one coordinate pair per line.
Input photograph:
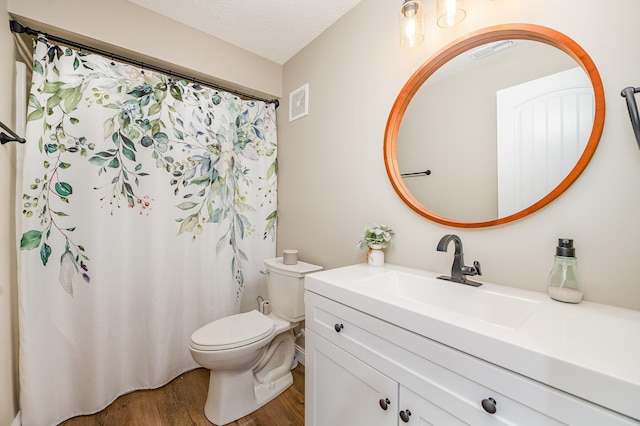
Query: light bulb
x,y
450,12
411,23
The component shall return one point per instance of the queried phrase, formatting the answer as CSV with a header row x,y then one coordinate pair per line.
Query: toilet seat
x,y
233,331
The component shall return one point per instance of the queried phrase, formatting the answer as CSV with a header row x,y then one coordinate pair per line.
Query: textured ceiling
x,y
274,29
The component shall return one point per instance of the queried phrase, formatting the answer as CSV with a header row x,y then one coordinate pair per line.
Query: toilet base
x,y
234,394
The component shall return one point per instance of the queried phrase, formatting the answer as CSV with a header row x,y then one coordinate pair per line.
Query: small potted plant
x,y
376,238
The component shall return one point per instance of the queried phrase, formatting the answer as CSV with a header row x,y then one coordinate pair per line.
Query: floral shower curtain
x,y
148,205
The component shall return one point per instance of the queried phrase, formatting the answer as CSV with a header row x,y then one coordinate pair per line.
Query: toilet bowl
x,y
250,354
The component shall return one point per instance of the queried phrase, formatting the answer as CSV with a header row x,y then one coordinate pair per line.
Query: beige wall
x,y
153,38
8,348
332,176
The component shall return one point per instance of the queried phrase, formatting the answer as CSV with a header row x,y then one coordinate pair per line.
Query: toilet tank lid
x,y
297,270
233,331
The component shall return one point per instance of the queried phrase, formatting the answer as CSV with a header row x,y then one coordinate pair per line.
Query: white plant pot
x,y
375,256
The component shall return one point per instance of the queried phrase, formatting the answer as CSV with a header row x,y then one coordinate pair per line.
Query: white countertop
x,y
589,350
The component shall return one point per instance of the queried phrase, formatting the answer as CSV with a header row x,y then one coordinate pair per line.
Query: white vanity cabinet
x,y
362,370
347,391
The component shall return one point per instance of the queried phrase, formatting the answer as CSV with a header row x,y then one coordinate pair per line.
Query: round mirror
x,y
494,126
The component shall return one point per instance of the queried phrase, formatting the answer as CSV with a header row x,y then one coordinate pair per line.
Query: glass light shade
x,y
450,12
411,23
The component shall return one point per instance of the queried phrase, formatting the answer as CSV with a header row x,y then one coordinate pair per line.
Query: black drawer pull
x,y
404,415
338,327
489,405
384,403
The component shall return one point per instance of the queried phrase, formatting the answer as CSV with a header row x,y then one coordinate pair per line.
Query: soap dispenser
x,y
563,279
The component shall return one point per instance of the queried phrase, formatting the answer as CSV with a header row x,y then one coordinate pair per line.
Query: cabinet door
x,y
418,411
342,390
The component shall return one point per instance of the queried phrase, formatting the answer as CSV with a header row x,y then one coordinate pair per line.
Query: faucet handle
x,y
476,265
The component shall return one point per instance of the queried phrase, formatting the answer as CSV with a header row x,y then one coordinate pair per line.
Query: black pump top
x,y
565,248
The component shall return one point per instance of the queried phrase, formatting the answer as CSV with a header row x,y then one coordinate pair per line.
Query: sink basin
x,y
424,292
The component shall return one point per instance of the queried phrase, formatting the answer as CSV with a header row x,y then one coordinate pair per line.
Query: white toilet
x,y
250,355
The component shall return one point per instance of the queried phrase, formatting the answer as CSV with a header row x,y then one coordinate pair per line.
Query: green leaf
x,y
76,64
128,153
160,93
109,126
97,161
45,252
128,189
37,68
63,189
273,215
72,99
146,141
161,137
34,102
186,205
64,165
155,108
52,86
176,92
240,225
188,224
127,142
273,169
202,180
36,115
53,101
221,243
243,255
30,240
114,163
215,217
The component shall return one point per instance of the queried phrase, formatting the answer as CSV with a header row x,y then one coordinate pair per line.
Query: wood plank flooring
x,y
181,403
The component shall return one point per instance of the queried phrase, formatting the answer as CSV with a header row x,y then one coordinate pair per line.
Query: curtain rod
x,y
18,28
14,137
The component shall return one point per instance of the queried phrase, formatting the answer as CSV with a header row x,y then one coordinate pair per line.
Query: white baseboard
x,y
18,420
300,354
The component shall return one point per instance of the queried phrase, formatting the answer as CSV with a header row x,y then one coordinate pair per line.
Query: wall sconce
x,y
411,23
450,12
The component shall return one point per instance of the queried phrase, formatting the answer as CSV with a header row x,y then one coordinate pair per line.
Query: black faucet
x,y
458,270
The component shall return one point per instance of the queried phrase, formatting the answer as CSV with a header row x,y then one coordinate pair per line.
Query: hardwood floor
x,y
181,402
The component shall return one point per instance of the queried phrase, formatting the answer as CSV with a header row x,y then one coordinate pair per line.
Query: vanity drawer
x,y
452,380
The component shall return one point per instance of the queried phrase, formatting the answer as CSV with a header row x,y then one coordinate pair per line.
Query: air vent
x,y
490,49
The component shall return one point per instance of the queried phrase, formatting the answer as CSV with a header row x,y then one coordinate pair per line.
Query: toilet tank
x,y
285,287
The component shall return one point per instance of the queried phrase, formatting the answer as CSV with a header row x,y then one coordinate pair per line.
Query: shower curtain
x,y
147,206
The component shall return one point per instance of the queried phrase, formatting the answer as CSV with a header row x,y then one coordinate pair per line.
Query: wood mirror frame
x,y
461,45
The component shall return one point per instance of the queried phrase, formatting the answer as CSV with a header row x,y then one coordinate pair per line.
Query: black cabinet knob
x,y
404,415
489,405
338,327
384,403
